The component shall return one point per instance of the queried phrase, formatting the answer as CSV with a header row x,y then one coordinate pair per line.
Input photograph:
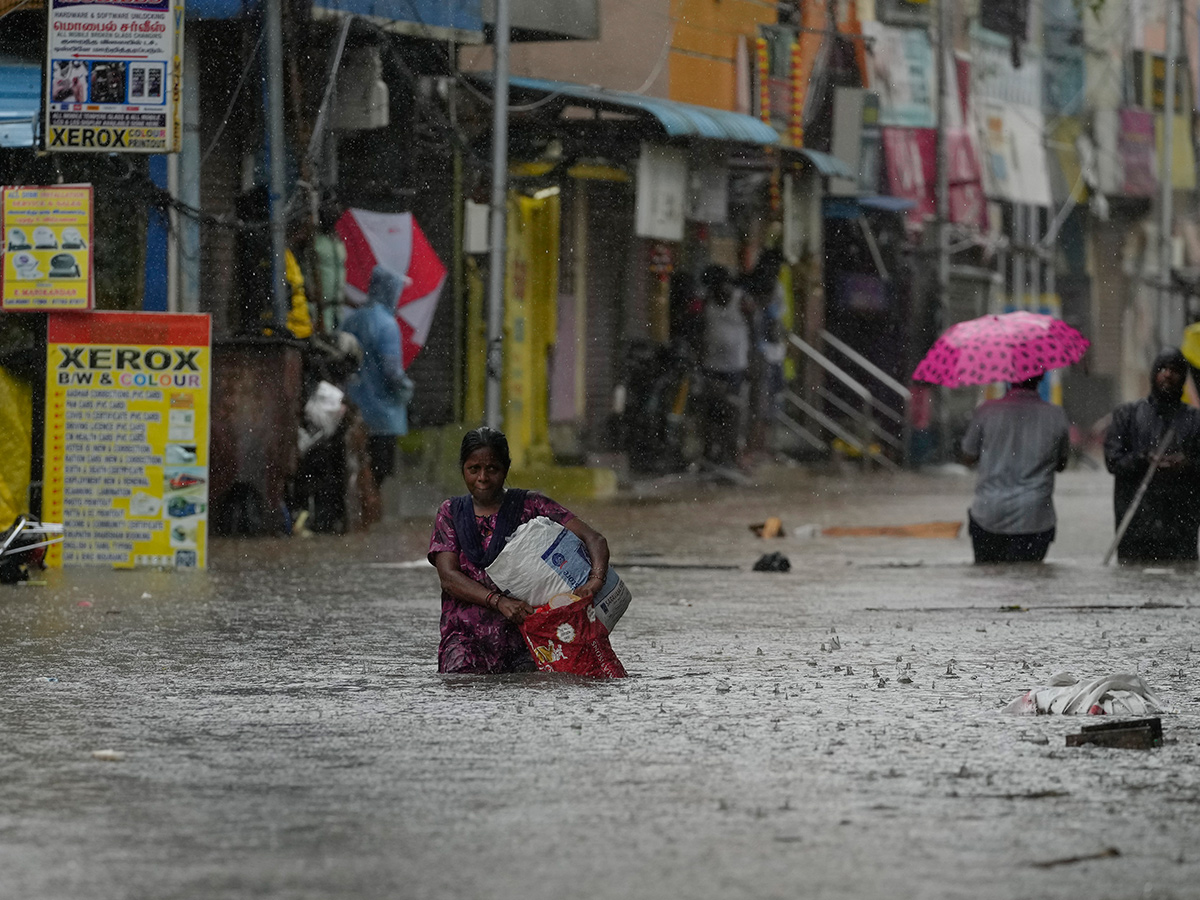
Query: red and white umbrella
x,y
394,240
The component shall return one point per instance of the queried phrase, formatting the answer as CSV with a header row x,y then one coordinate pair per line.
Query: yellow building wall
x,y
530,328
530,324
703,60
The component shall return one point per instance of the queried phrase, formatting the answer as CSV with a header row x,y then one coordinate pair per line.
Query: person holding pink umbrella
x,y
1019,442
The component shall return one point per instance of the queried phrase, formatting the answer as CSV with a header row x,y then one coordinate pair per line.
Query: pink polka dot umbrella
x,y
1009,347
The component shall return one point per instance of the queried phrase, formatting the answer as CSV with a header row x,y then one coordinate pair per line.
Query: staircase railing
x,y
860,426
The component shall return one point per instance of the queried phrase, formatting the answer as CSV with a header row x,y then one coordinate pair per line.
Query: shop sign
x,y
912,174
126,439
967,204
902,73
708,194
1149,71
1136,148
47,248
112,76
1016,153
856,140
911,169
661,193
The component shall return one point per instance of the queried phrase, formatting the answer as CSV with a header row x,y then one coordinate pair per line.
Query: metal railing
x,y
859,427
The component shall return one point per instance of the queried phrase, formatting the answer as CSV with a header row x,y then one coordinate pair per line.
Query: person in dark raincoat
x,y
1166,523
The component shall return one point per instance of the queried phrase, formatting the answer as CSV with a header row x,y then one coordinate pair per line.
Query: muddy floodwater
x,y
278,729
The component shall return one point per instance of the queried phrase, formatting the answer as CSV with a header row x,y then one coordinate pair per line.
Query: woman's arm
x,y
597,548
456,583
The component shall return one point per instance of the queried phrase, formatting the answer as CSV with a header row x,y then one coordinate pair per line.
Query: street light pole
x,y
272,24
498,219
942,47
1170,325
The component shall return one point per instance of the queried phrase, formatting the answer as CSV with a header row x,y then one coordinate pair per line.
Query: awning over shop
x,y
826,164
678,120
853,207
887,204
20,103
219,9
438,19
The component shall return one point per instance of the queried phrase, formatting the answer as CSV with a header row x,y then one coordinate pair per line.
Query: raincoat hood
x,y
385,288
1168,359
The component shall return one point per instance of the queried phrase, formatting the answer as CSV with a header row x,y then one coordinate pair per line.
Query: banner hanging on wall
x,y
126,439
112,76
47,248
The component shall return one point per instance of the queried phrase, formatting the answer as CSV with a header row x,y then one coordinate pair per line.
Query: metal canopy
x,y
20,103
537,20
678,120
827,164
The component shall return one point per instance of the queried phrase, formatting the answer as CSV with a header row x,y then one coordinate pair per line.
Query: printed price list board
x,y
126,440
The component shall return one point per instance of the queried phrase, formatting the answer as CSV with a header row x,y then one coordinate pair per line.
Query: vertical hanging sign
x,y
126,440
46,254
112,78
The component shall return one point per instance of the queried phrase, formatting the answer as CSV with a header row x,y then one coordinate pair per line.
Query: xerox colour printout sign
x,y
112,78
126,439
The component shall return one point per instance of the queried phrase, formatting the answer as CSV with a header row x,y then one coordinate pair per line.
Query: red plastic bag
x,y
571,639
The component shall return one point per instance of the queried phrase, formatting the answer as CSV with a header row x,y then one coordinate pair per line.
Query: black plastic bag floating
x,y
23,545
773,562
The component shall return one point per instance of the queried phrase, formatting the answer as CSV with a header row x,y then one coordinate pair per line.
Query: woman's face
x,y
484,474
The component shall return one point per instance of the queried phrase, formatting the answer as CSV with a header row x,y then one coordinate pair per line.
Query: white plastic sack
x,y
1114,695
322,415
543,561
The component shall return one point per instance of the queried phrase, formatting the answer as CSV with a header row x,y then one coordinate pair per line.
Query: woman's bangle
x,y
492,600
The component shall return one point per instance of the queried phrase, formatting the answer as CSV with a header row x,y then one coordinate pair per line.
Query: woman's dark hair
x,y
717,279
478,439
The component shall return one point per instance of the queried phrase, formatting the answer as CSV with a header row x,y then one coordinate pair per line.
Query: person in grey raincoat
x,y
380,389
1167,520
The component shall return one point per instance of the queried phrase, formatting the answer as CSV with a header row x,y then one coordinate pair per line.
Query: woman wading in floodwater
x,y
480,633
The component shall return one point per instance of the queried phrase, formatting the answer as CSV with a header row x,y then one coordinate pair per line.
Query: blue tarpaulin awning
x,y
852,207
20,103
678,120
887,204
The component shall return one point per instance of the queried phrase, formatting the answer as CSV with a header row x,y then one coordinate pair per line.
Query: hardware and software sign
x,y
112,77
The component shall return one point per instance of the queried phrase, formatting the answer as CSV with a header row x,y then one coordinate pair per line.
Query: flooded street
x,y
834,731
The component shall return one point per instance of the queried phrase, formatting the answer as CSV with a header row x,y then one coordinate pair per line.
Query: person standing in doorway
x,y
1167,520
1019,442
726,348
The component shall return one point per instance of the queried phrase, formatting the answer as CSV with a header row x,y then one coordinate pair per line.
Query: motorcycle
x,y
657,422
23,547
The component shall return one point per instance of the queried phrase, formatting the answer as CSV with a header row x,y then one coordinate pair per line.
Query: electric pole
x,y
498,220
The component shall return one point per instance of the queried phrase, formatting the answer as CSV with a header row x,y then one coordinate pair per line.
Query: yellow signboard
x,y
47,248
126,440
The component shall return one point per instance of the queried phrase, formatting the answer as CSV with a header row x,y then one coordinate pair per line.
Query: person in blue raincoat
x,y
380,389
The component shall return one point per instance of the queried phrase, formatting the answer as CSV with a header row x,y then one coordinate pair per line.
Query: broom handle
x,y
1157,458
